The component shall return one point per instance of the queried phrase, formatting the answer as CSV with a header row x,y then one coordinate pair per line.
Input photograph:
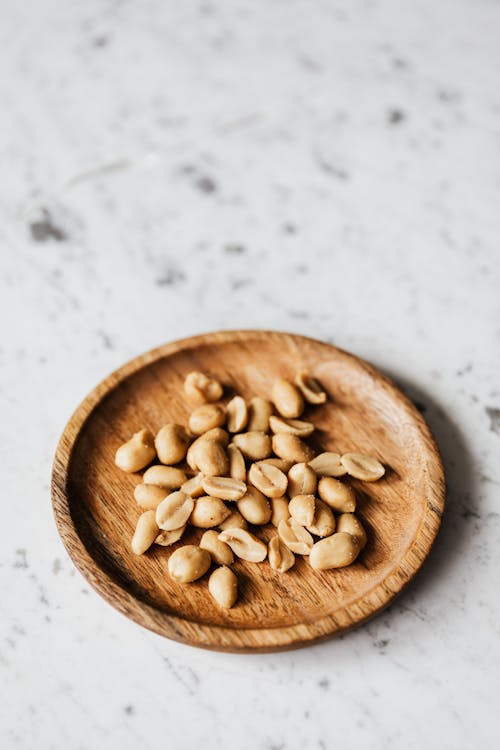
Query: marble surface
x,y
330,168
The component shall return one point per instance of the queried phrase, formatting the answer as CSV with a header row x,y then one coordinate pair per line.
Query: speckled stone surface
x,y
329,168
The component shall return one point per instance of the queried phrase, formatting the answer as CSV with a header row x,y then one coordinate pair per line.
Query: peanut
x,y
244,545
280,464
310,388
145,533
220,552
136,453
172,443
148,496
188,563
210,458
291,448
302,509
225,488
234,521
207,512
327,465
287,399
216,435
362,467
337,495
237,414
280,557
166,538
254,507
323,522
174,511
223,586
253,445
292,426
237,468
200,389
301,480
279,508
206,417
295,536
168,477
259,411
268,479
351,524
194,486
335,551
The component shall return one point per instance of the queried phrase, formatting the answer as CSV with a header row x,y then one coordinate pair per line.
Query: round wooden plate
x,y
96,513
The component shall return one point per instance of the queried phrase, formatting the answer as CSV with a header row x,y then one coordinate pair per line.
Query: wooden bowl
x,y
96,513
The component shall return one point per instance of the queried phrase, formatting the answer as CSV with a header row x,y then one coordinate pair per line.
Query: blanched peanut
x,y
280,464
174,511
237,468
223,586
166,538
216,435
335,551
279,508
287,399
172,443
211,459
280,557
194,486
220,552
351,524
253,445
136,453
310,388
337,495
295,536
254,507
234,521
291,448
237,414
324,521
292,426
268,479
188,563
301,480
244,544
200,389
327,465
302,509
224,487
259,411
362,467
168,477
145,532
206,417
207,512
148,496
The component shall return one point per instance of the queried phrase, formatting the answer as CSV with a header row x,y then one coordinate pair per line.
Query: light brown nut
x,y
362,467
211,459
172,443
291,448
166,538
237,468
336,551
254,507
223,586
194,486
244,544
310,388
287,399
168,477
206,417
145,533
302,509
174,511
337,495
268,479
253,445
136,453
259,411
327,465
208,512
351,524
200,389
280,464
224,487
221,553
279,508
234,521
280,557
216,435
188,563
148,496
237,414
324,521
292,426
295,536
302,480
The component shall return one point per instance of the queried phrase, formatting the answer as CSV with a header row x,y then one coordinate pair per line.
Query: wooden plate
x,y
95,511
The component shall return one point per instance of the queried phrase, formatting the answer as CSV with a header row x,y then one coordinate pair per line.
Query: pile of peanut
x,y
245,464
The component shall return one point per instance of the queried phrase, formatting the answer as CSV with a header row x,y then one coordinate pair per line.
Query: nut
x,y
223,586
200,389
301,480
206,417
136,453
327,465
224,487
234,521
362,467
280,464
335,551
237,468
310,388
287,399
172,443
237,414
280,557
253,445
166,538
220,552
207,512
188,563
217,435
268,479
254,507
244,544
302,509
295,536
259,411
210,458
168,477
337,495
291,448
351,524
194,486
145,533
148,496
323,522
279,508
174,511
292,426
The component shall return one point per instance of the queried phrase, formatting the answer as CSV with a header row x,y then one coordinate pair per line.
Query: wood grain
x,y
96,514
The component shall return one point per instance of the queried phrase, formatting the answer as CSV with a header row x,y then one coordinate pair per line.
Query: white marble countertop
x,y
329,168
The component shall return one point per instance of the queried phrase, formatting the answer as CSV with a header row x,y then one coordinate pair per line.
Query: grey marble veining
x,y
329,168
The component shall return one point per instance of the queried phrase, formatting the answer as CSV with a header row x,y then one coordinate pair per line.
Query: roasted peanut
x,y
237,414
194,486
291,448
280,557
166,538
295,536
287,399
188,563
206,417
211,459
254,507
145,533
216,435
223,586
280,464
279,508
234,521
351,524
207,512
244,544
335,551
337,495
172,443
327,465
301,480
292,426
168,477
362,467
323,522
174,511
259,411
221,553
148,496
268,479
310,388
200,389
253,445
136,453
224,487
302,509
237,468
